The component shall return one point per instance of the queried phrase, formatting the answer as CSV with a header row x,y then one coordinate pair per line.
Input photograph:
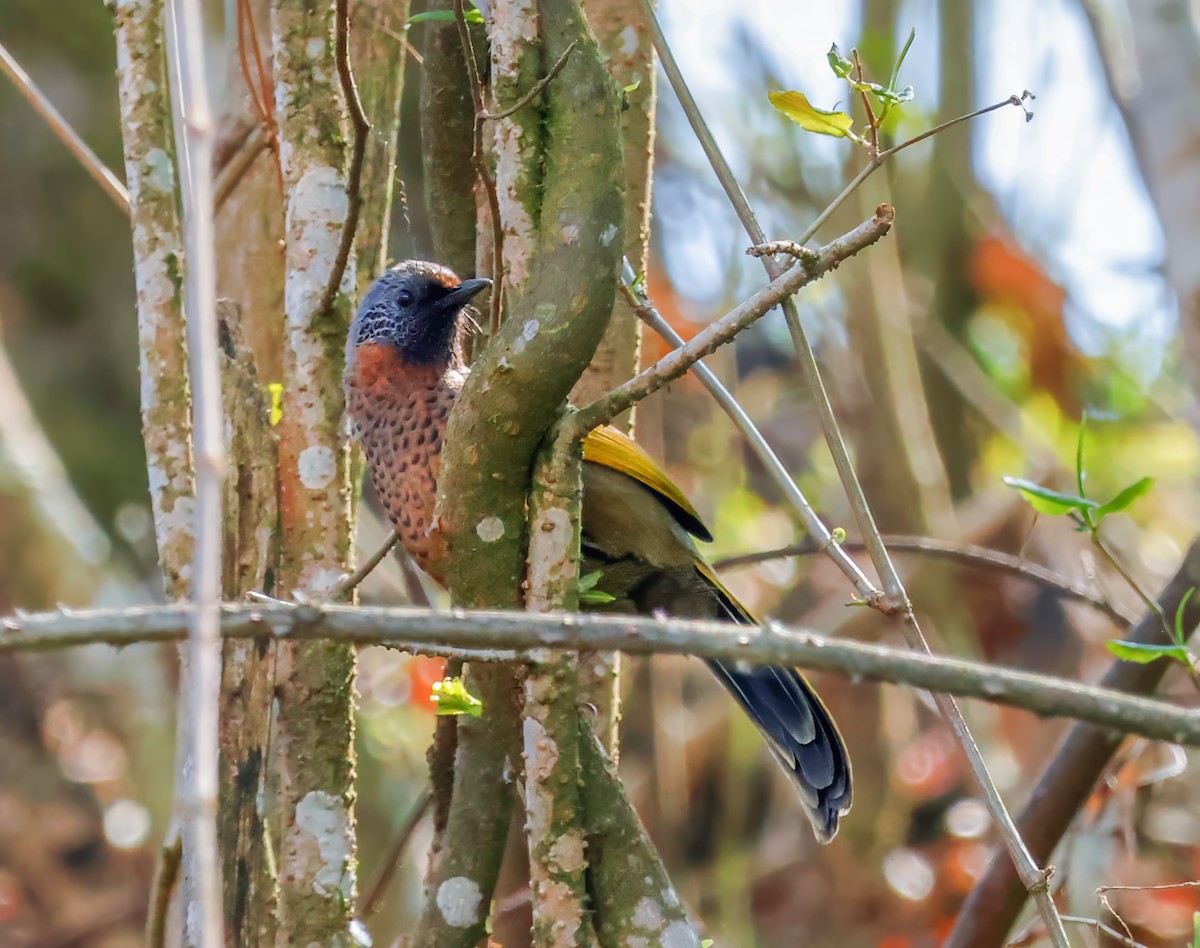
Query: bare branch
x,y
964,553
781,288
66,134
534,91
525,637
896,600
392,860
185,46
799,504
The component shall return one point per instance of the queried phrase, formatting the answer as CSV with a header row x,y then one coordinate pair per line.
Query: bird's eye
x,y
404,297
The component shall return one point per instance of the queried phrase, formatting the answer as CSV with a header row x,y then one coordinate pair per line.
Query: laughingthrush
x,y
404,370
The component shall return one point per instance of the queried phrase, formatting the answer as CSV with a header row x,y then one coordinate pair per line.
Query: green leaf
x,y
839,535
840,65
1047,501
632,87
1180,631
1125,497
795,105
589,580
589,595
452,697
444,16
275,392
1145,654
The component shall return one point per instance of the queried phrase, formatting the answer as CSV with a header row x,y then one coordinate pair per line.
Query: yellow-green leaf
x,y
795,105
275,391
451,697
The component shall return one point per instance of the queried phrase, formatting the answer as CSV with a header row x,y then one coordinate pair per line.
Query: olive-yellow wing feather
x,y
609,447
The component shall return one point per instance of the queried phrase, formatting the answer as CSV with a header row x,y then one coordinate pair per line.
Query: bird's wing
x,y
611,448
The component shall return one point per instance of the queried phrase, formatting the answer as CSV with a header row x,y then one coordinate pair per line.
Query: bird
x,y
404,369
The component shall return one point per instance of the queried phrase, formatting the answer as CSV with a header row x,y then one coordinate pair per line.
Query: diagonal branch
x,y
725,329
1066,783
61,127
896,599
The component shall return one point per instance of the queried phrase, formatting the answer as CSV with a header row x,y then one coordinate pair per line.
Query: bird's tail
x,y
798,727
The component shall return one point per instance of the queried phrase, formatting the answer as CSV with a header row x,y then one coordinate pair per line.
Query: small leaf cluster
x,y
589,595
796,106
452,697
1087,515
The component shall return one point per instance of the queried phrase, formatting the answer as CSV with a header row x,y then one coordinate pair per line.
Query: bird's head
x,y
414,309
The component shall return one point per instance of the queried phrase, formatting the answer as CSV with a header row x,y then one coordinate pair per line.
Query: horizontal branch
x,y
676,363
519,636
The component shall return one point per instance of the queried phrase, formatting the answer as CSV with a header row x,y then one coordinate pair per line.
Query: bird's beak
x,y
462,294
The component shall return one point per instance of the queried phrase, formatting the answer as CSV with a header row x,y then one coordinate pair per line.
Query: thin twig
x,y
242,161
186,47
68,136
878,160
262,95
527,637
965,553
166,873
534,91
354,580
362,128
391,862
779,474
896,599
1099,926
725,329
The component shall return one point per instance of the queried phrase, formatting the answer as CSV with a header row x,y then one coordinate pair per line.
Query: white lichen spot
x,y
160,173
529,329
490,529
608,235
570,233
566,852
629,40
315,48
647,916
680,934
458,900
322,816
317,466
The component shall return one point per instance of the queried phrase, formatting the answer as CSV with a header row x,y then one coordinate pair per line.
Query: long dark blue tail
x,y
798,727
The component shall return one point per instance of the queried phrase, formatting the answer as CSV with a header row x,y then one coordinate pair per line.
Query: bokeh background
x,y
1036,271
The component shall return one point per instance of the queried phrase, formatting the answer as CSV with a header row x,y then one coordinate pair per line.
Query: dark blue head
x,y
414,307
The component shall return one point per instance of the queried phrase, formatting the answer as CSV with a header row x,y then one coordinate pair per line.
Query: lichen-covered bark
x,y
628,52
517,61
248,669
517,386
553,727
563,280
313,744
636,904
158,276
